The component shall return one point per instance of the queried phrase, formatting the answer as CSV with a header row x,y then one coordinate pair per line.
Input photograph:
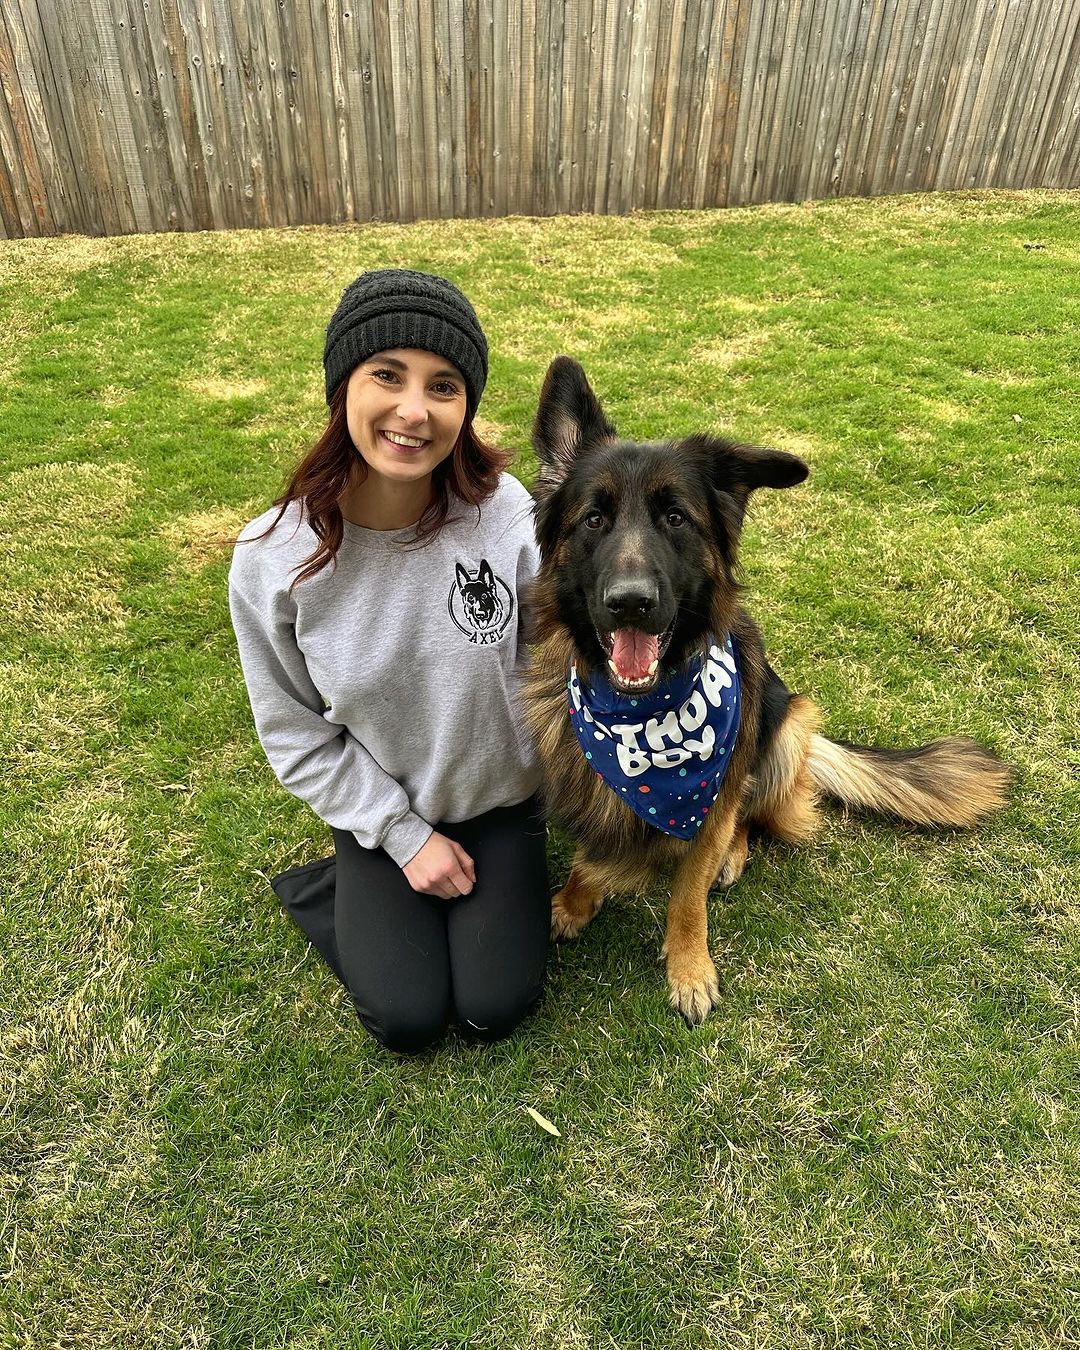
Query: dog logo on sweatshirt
x,y
481,605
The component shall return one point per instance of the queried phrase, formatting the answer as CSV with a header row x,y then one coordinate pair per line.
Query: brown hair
x,y
470,473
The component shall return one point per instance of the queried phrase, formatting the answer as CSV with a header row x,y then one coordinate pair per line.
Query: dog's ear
x,y
739,469
734,470
486,576
463,577
568,420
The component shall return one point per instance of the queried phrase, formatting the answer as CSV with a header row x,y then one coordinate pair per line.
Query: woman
x,y
377,609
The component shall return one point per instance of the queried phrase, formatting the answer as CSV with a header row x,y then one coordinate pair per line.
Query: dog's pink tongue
x,y
633,652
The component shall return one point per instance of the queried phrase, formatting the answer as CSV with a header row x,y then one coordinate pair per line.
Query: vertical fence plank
x,y
454,19
237,154
389,132
11,204
489,142
586,103
625,186
917,142
861,148
503,110
657,104
748,128
427,99
324,105
206,127
523,152
368,139
471,29
305,77
407,134
544,112
69,36
822,167
710,40
853,120
150,117
665,89
562,83
607,77
967,94
442,106
795,56
341,115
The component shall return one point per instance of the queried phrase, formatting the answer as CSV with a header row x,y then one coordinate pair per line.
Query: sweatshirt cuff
x,y
406,837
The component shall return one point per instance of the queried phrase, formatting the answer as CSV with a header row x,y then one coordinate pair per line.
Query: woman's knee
x,y
490,1018
403,1030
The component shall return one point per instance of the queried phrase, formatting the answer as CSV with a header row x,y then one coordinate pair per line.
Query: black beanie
x,y
395,307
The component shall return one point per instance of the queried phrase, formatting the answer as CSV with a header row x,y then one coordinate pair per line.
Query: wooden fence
x,y
135,115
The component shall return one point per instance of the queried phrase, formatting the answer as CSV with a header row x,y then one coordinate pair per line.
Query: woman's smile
x,y
402,442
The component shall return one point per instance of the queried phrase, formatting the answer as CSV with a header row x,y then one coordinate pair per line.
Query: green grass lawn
x,y
874,1140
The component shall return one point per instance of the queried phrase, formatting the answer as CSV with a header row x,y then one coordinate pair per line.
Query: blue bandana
x,y
665,753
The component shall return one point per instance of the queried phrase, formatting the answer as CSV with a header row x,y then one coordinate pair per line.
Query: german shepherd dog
x,y
636,586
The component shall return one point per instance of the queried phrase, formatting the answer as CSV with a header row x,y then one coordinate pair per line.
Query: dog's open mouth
x,y
634,657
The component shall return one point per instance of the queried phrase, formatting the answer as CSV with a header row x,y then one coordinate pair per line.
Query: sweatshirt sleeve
x,y
315,759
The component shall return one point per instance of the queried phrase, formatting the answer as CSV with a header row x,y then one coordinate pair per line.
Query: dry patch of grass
x,y
46,725
945,410
723,353
206,536
60,500
59,577
210,386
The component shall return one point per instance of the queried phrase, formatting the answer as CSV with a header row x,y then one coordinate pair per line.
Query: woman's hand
x,y
441,868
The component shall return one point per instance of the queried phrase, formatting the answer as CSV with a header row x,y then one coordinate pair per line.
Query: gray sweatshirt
x,y
385,692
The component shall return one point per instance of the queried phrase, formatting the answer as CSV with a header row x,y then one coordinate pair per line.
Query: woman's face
x,y
405,409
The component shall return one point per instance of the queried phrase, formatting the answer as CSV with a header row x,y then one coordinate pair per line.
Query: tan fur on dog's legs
x,y
579,900
692,979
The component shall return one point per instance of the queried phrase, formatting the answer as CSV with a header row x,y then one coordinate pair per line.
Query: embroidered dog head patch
x,y
480,605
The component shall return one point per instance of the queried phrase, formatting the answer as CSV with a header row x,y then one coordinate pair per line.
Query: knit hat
x,y
396,307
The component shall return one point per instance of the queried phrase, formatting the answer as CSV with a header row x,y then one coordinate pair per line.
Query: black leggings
x,y
415,963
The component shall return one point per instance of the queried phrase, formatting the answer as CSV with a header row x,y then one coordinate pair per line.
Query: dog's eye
x,y
594,520
675,519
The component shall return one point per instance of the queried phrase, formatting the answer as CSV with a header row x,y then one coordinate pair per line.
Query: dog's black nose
x,y
631,599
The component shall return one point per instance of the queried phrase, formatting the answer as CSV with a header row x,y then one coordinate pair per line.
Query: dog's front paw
x,y
568,921
694,987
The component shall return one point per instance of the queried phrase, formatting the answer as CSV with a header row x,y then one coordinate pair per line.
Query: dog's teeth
x,y
652,668
612,667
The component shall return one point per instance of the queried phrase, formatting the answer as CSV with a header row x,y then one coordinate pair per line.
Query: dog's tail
x,y
953,781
